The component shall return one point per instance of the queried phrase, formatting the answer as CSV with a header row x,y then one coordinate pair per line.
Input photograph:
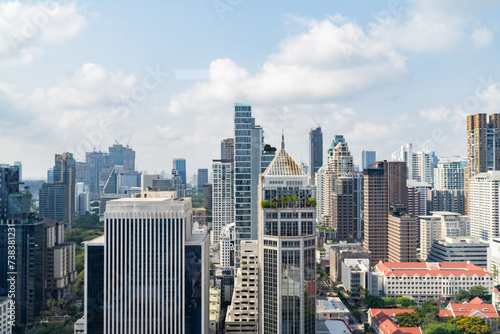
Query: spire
x,y
282,139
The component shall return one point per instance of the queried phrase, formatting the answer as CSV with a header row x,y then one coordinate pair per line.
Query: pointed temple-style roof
x,y
283,165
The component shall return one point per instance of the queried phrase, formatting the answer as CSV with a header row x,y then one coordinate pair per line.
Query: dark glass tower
x,y
315,152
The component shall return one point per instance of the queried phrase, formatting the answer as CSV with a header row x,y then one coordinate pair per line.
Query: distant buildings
x,y
484,205
446,200
202,179
419,161
179,164
315,152
57,200
449,174
287,248
368,159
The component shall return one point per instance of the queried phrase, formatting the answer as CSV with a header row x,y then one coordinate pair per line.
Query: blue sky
x,y
163,76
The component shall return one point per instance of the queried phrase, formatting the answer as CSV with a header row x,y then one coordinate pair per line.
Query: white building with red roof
x,y
384,321
423,280
474,308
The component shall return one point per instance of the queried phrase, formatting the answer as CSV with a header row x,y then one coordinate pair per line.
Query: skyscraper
x,y
483,147
180,166
227,149
315,152
419,161
202,179
222,197
287,248
250,159
347,207
339,162
99,161
94,286
449,174
484,204
122,156
368,159
156,271
57,199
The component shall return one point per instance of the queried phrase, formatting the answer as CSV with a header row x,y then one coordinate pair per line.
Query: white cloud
x,y
26,29
482,37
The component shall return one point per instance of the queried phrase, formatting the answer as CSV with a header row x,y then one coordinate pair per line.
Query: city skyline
x,y
63,87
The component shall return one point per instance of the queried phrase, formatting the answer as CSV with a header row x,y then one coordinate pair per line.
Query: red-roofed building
x,y
475,307
383,321
423,280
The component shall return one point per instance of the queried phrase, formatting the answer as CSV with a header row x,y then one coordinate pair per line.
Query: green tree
x,y
408,319
265,204
374,302
443,328
471,325
389,302
463,296
405,302
477,291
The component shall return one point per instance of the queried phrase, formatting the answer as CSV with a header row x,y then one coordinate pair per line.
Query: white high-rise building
x,y
227,246
222,197
418,161
156,272
439,226
449,174
320,185
243,314
287,247
484,205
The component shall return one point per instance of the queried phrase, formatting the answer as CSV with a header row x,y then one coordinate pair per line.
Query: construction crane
x,y
316,122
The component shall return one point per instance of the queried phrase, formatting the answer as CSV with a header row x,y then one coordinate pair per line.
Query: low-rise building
x,y
424,280
331,308
460,249
214,309
340,252
356,272
475,308
383,321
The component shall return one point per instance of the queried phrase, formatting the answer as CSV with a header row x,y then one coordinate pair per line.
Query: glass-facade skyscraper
x,y
180,167
368,159
287,248
315,152
249,161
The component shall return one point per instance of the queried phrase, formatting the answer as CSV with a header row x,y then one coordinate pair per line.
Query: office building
x,y
243,314
446,200
179,186
14,204
376,207
342,251
222,197
449,174
419,161
402,237
339,162
315,152
368,159
227,149
202,179
57,199
82,199
287,248
347,207
140,291
356,272
121,180
226,240
460,249
484,205
179,164
94,286
59,261
417,197
99,162
250,159
120,155
409,279
439,226
483,143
